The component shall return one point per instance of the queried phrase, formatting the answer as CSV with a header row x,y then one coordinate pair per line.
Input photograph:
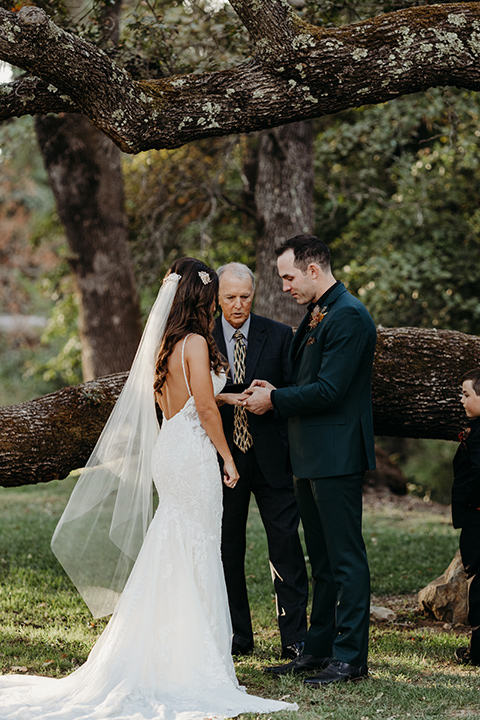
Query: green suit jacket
x,y
329,406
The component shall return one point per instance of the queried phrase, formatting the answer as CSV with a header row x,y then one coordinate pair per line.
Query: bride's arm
x,y
198,371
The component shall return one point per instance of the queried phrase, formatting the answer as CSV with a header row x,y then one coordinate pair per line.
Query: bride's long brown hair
x,y
192,312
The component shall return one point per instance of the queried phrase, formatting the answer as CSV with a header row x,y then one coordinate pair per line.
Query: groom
x,y
330,429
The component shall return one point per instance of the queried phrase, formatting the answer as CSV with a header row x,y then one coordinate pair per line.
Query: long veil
x,y
107,516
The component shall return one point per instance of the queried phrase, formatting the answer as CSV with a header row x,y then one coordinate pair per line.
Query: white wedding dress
x,y
165,654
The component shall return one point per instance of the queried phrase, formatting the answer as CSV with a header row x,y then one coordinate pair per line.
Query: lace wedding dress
x,y
165,654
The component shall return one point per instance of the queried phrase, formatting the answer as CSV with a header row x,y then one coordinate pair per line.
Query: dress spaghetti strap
x,y
183,364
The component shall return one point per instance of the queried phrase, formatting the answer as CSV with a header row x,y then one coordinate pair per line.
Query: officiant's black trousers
x,y
280,518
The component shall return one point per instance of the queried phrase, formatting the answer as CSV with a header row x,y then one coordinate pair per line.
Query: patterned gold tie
x,y
241,436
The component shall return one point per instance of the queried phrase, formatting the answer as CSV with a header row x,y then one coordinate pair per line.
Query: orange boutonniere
x,y
462,436
316,316
311,341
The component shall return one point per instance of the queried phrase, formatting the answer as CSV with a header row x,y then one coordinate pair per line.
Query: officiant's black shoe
x,y
337,671
300,664
238,650
292,651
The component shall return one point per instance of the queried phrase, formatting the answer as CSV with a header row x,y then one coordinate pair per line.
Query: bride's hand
x,y
230,473
229,398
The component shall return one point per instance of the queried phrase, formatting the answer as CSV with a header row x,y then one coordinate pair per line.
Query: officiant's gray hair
x,y
239,270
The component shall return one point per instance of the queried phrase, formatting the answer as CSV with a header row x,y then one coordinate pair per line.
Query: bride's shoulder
x,y
194,339
194,344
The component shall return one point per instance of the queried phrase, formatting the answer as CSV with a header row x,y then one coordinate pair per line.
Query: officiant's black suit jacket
x,y
267,358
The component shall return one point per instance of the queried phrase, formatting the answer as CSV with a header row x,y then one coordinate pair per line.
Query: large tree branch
x,y
416,393
298,71
32,96
49,437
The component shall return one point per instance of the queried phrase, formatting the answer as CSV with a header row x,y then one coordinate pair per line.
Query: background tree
x,y
284,207
84,168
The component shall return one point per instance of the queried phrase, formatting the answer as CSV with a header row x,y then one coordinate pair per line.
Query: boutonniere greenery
x,y
316,316
462,436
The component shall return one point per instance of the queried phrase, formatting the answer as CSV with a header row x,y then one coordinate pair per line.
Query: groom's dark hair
x,y
306,249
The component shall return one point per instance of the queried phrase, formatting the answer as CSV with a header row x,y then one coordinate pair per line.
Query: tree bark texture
x,y
47,438
297,71
284,206
84,169
416,393
416,381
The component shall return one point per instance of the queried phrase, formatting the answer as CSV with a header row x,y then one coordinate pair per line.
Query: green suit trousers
x,y
331,513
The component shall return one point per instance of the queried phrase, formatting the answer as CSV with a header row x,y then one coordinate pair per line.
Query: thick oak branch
x,y
416,381
298,71
32,96
416,393
49,437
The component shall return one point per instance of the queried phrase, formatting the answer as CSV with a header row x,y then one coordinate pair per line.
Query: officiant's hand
x,y
258,397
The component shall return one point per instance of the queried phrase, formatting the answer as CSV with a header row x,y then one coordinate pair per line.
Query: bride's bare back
x,y
174,395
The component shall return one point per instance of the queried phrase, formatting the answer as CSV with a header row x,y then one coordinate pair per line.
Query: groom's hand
x,y
258,400
260,383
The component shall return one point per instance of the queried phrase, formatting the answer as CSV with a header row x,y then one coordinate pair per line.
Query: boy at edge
x,y
466,508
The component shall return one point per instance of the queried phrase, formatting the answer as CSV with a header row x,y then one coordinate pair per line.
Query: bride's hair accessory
x,y
172,277
204,277
106,519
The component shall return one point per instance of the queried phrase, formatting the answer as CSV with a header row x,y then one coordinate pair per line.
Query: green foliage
x,y
191,201
395,198
427,465
64,366
16,383
162,38
36,278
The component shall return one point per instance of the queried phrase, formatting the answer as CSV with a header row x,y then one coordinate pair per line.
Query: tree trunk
x,y
416,393
284,203
84,169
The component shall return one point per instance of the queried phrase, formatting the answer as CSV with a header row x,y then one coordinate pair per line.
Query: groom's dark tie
x,y
241,436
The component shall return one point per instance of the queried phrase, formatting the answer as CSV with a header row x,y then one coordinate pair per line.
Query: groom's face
x,y
301,286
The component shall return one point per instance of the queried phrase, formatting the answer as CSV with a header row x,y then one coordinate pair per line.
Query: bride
x,y
165,654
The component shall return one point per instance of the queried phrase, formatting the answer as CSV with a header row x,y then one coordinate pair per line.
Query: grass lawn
x,y
46,629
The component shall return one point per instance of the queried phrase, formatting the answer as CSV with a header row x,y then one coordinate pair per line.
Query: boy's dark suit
x,y
330,430
263,471
465,515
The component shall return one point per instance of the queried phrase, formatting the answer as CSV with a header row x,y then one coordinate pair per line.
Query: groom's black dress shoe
x,y
337,671
300,664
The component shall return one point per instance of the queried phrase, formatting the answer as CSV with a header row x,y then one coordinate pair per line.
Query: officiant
x,y
256,346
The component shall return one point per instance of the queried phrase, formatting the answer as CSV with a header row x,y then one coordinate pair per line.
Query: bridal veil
x,y
107,516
